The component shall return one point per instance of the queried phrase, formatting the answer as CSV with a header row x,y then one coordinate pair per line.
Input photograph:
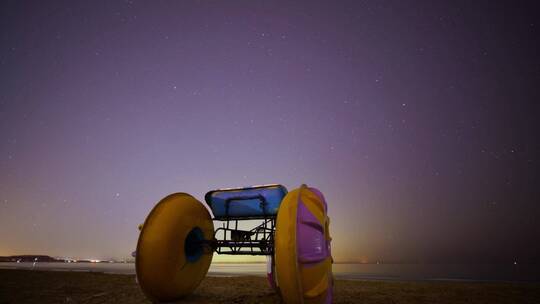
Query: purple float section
x,y
270,272
321,196
311,243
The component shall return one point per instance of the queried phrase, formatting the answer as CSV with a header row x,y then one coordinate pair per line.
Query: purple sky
x,y
416,120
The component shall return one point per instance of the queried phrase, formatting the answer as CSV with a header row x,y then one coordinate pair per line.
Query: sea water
x,y
392,272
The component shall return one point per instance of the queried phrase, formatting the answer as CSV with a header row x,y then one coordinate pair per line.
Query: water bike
x,y
177,241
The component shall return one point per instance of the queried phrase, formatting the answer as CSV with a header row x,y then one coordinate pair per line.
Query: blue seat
x,y
250,202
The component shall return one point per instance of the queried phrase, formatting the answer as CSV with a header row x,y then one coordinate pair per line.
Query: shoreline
x,y
354,272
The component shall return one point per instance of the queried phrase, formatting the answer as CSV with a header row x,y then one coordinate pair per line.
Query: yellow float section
x,y
297,283
287,276
163,271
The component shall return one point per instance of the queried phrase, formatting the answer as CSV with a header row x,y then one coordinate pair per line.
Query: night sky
x,y
417,120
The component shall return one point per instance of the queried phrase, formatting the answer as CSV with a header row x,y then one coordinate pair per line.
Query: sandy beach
x,y
24,286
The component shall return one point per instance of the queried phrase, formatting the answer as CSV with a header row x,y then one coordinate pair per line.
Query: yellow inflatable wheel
x,y
302,248
171,260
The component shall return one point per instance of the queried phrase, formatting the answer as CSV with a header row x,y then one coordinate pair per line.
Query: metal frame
x,y
256,241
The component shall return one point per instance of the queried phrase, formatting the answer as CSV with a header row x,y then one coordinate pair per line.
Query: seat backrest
x,y
242,203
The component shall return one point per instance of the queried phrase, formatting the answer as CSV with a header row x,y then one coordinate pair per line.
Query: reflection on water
x,y
404,272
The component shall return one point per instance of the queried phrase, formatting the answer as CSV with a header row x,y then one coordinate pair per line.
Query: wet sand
x,y
25,286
